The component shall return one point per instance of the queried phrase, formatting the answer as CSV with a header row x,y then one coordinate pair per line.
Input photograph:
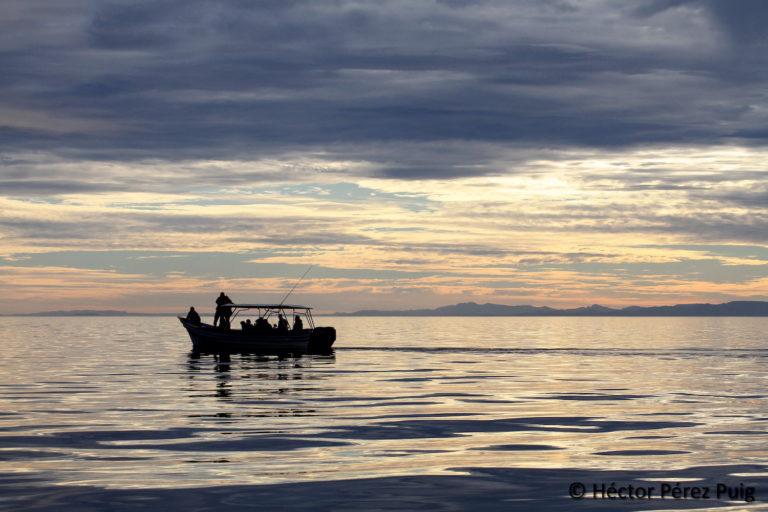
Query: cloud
x,y
54,187
305,240
744,21
467,141
246,264
191,80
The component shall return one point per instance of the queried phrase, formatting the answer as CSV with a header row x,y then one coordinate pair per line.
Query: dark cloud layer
x,y
176,79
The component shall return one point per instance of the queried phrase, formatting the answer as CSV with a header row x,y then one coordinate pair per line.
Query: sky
x,y
418,153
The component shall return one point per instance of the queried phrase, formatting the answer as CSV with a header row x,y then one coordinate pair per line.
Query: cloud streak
x,y
188,80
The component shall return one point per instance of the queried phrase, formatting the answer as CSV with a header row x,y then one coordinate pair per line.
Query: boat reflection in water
x,y
271,385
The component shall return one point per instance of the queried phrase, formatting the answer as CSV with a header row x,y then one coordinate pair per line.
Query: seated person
x,y
193,317
297,323
282,324
262,325
242,325
248,325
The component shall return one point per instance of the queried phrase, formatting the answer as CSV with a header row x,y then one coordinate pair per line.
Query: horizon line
x,y
614,309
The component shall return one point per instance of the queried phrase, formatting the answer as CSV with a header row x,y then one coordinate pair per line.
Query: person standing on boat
x,y
223,314
193,317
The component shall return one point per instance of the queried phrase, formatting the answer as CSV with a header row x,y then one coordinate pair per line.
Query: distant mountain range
x,y
735,308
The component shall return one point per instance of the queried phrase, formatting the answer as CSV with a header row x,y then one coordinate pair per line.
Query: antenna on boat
x,y
295,285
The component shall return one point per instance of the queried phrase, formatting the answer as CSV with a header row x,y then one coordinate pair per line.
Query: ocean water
x,y
407,414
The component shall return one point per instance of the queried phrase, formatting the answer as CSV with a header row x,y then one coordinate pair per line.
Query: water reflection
x,y
413,402
254,377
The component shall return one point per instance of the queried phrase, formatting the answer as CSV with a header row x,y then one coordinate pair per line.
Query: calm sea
x,y
408,414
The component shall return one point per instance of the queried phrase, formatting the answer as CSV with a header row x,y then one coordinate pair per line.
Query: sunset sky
x,y
419,153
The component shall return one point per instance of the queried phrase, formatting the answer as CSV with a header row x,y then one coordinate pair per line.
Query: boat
x,y
312,339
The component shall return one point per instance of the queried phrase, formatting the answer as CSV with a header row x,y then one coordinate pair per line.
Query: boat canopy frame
x,y
273,309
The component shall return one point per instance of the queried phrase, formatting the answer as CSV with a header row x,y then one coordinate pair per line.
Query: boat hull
x,y
206,338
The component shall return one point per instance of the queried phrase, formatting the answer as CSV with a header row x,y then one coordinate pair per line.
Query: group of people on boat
x,y
262,324
223,317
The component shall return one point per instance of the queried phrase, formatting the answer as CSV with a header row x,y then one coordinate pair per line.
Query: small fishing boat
x,y
261,337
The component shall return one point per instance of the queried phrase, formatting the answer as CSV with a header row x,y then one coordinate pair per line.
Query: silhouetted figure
x,y
193,317
222,314
262,325
248,325
242,325
297,323
282,324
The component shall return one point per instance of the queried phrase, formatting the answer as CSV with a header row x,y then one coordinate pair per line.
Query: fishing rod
x,y
295,285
